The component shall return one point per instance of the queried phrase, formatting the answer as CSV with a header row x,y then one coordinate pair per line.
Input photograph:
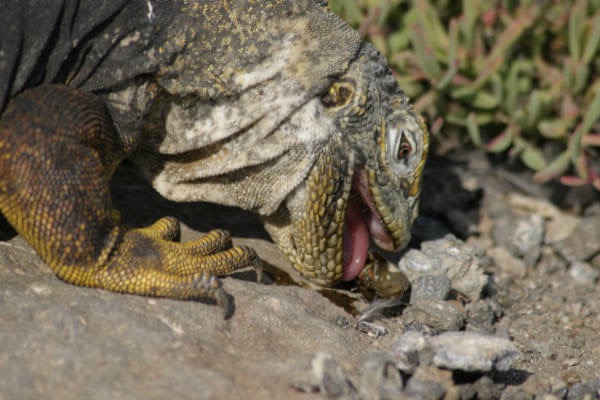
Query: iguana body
x,y
273,106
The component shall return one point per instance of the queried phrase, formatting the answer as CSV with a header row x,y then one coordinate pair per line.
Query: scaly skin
x,y
67,215
243,103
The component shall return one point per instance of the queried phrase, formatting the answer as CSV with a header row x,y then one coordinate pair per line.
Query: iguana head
x,y
365,183
286,113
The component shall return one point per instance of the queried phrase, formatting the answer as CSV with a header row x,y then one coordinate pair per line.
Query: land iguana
x,y
273,106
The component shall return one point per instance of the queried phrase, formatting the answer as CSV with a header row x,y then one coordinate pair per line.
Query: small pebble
x,y
528,237
583,273
430,287
429,383
380,379
507,263
438,314
330,377
583,391
464,351
582,244
451,257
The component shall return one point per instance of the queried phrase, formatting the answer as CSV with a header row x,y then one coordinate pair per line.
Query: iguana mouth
x,y
362,223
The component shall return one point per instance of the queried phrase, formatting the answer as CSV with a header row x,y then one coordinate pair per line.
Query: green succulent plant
x,y
513,76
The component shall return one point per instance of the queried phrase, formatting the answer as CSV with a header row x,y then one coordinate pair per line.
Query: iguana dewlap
x,y
273,106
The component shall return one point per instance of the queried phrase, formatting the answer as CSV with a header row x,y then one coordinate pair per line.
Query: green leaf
x,y
473,129
531,156
485,100
576,27
425,54
398,41
471,12
534,108
428,18
452,61
554,169
592,114
552,128
476,98
593,40
502,141
591,140
581,166
511,86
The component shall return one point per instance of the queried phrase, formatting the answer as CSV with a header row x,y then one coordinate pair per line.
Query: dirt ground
x,y
537,247
550,304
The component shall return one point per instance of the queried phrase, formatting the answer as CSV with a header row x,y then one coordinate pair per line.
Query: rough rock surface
x,y
286,340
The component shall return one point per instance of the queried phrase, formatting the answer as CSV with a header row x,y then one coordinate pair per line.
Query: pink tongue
x,y
356,243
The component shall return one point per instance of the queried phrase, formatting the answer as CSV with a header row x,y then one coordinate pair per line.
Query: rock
x,y
431,383
380,379
583,273
527,238
515,393
585,391
582,244
522,236
549,262
467,351
331,378
448,256
406,350
560,227
68,342
541,383
481,316
486,389
438,314
464,351
430,287
507,262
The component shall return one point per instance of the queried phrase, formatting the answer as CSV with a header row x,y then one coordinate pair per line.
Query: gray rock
x,y
468,351
515,393
549,262
430,287
431,383
507,263
380,379
527,238
560,227
486,389
440,315
481,316
582,244
331,378
583,273
448,256
67,342
464,351
541,384
406,350
584,391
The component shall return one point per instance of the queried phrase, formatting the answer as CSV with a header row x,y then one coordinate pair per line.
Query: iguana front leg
x,y
58,149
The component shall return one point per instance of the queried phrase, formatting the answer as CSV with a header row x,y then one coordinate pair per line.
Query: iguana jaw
x,y
363,222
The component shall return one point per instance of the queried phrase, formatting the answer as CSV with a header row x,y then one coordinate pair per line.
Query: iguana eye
x,y
339,95
404,148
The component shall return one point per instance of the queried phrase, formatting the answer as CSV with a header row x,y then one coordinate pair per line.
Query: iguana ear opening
x,y
339,95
